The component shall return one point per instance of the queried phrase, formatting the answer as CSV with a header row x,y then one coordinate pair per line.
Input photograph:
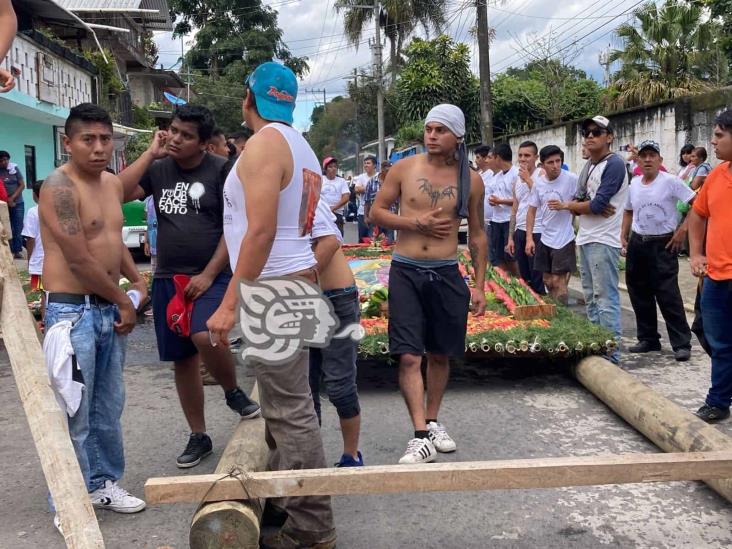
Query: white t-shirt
x,y
361,181
32,229
654,204
522,193
324,222
333,190
487,177
557,229
595,228
502,187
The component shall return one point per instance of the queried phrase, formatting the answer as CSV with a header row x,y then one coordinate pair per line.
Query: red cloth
x,y
179,310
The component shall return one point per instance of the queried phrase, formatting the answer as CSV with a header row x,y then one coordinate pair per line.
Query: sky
x,y
579,29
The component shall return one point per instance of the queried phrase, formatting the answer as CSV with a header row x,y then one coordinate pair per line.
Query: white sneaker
x,y
440,438
112,497
57,524
419,450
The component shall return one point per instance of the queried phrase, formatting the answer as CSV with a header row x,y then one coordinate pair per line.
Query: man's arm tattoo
x,y
63,202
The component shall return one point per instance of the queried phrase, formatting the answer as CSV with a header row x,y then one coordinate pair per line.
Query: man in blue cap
x,y
263,196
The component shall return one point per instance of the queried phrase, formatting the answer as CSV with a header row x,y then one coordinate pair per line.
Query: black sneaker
x,y
682,355
712,414
644,347
237,400
199,446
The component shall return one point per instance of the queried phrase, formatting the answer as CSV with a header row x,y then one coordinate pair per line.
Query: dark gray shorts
x,y
428,310
549,260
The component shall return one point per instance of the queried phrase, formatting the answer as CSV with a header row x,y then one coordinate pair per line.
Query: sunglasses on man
x,y
594,132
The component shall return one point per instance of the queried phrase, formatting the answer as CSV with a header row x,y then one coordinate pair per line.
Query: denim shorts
x,y
335,365
171,346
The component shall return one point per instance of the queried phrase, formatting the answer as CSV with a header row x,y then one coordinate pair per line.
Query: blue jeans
x,y
716,310
363,228
599,272
95,429
16,225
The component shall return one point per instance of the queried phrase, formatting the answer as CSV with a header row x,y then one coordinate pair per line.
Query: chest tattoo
x,y
436,194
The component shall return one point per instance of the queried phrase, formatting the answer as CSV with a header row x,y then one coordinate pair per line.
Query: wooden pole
x,y
446,477
234,524
47,422
668,426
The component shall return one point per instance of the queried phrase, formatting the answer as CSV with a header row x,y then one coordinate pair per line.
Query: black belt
x,y
652,237
77,299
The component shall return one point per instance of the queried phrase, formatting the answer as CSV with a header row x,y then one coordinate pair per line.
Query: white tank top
x,y
290,251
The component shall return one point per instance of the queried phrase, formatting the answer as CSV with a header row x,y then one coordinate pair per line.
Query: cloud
x,y
313,29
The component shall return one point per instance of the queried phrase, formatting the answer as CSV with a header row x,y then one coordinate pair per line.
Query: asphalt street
x,y
496,409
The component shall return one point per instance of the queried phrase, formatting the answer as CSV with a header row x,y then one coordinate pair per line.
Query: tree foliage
x,y
229,31
437,71
543,92
398,18
668,51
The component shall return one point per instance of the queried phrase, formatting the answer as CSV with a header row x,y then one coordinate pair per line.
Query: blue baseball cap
x,y
275,89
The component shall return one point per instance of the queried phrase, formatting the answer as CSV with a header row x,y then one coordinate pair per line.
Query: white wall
x,y
672,124
72,85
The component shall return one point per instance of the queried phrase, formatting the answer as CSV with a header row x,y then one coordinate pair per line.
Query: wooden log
x,y
667,425
47,422
446,477
233,523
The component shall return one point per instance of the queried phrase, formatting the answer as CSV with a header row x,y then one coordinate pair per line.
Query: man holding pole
x,y
428,298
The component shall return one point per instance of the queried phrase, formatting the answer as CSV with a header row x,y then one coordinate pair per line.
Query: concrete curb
x,y
688,308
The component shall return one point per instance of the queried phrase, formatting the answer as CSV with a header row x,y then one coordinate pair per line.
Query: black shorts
x,y
499,240
549,260
171,346
428,310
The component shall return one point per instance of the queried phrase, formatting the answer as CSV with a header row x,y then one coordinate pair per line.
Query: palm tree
x,y
398,18
671,51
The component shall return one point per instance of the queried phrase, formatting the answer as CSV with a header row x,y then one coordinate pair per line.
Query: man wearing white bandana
x,y
428,298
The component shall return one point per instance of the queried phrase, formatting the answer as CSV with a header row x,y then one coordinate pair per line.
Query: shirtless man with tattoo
x,y
428,298
80,210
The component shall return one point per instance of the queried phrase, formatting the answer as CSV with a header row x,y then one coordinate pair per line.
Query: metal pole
x,y
379,83
484,64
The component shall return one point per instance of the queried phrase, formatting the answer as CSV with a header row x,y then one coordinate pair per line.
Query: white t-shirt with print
x,y
654,203
32,229
557,230
361,181
522,193
502,187
487,177
333,190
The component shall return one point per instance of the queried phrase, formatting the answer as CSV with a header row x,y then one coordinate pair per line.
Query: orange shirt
x,y
714,202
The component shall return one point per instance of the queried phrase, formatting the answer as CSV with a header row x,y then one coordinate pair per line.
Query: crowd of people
x,y
224,209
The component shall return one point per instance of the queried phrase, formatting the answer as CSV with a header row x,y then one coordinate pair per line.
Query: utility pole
x,y
183,62
484,64
604,59
376,44
314,91
355,117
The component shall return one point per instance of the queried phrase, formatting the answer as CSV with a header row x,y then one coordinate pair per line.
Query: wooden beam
x,y
445,477
666,424
47,422
234,523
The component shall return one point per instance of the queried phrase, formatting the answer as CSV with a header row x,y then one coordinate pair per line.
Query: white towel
x,y
60,364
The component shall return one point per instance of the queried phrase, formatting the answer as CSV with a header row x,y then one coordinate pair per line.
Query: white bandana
x,y
449,116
